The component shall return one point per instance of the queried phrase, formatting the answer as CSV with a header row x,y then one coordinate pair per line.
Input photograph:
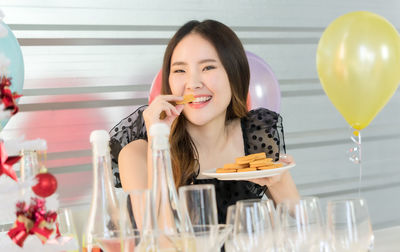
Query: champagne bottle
x,y
103,220
174,230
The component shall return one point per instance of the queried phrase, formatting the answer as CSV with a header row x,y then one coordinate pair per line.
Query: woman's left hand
x,y
268,181
271,181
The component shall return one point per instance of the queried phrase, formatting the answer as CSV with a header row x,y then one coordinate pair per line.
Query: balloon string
x,y
355,154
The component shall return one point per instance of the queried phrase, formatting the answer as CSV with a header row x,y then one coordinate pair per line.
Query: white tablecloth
x,y
387,240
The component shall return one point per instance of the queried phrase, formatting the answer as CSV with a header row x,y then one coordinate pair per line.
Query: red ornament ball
x,y
46,186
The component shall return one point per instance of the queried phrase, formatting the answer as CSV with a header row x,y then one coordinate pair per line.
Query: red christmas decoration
x,y
33,220
6,163
7,97
46,186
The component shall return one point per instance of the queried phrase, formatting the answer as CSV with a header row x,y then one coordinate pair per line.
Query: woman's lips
x,y
200,101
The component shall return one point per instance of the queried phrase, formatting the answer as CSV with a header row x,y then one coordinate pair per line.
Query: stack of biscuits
x,y
252,162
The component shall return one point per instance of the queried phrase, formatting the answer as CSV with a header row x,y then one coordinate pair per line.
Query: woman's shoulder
x,y
262,132
134,149
127,131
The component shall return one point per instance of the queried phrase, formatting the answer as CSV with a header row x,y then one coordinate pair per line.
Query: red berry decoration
x,y
46,186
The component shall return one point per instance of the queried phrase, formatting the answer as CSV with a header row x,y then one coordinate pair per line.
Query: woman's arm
x,y
132,162
280,187
284,189
134,173
135,158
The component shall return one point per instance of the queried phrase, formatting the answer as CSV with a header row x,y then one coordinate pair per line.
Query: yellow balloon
x,y
358,64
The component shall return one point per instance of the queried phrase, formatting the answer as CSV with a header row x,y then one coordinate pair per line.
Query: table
x,y
387,239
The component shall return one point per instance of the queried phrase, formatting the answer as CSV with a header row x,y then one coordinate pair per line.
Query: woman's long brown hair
x,y
184,155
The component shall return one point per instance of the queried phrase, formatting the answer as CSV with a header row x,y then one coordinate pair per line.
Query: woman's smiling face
x,y
197,69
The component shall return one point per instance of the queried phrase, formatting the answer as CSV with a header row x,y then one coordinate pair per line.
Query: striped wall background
x,y
90,63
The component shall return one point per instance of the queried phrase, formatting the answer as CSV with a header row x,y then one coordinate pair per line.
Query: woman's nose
x,y
194,85
194,82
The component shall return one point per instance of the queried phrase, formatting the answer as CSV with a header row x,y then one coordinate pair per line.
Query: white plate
x,y
249,174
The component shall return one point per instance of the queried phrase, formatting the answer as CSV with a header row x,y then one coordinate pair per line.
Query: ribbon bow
x,y
33,220
7,97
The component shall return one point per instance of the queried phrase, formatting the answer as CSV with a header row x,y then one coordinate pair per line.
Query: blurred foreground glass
x,y
253,228
302,226
135,232
230,220
135,210
66,225
349,226
199,204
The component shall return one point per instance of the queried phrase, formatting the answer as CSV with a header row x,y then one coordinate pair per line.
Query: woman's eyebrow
x,y
207,60
178,63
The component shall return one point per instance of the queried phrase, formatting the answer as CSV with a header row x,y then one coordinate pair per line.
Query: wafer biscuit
x,y
222,170
235,166
260,155
251,158
246,169
244,161
186,99
273,166
261,163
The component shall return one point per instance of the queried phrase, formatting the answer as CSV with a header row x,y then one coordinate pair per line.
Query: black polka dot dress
x,y
262,132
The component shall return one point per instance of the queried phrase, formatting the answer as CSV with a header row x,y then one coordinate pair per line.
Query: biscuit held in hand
x,y
162,109
186,99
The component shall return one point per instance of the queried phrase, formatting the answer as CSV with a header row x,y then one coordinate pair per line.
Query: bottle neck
x,y
159,143
29,165
162,168
102,172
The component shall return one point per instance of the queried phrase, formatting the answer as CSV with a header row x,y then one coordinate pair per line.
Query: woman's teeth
x,y
202,99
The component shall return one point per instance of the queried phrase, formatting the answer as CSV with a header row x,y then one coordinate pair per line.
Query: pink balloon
x,y
155,89
263,90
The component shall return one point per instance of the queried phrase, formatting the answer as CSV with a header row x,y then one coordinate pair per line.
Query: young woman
x,y
205,59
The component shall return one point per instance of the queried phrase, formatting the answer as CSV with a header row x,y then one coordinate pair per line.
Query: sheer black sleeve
x,y
127,130
263,132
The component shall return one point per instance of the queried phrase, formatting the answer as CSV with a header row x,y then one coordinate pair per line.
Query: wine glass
x,y
230,220
198,202
66,226
253,229
349,227
301,225
134,232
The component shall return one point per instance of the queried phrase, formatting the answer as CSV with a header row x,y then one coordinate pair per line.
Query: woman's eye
x,y
178,71
208,68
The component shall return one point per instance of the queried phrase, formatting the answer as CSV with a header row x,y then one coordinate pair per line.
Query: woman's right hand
x,y
161,104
